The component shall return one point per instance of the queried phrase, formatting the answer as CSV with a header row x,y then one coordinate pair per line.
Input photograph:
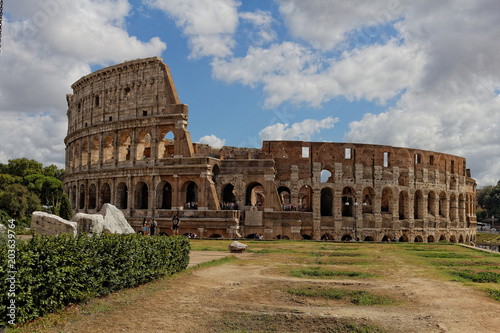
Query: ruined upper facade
x,y
128,144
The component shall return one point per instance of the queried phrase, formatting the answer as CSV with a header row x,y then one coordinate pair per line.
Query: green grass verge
x,y
478,277
321,273
356,297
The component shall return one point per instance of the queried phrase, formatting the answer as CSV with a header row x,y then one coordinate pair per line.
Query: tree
x,y
6,180
18,202
53,171
65,210
489,199
22,167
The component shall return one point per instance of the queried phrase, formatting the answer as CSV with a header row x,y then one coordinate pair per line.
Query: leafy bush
x,y
55,271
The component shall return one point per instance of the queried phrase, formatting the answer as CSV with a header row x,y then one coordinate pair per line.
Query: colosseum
x,y
128,145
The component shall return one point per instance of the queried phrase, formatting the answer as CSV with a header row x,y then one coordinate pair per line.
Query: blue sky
x,y
413,74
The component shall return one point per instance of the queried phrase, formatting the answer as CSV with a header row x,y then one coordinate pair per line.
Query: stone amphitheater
x,y
128,145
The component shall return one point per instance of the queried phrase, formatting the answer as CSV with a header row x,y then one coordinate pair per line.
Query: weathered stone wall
x,y
128,145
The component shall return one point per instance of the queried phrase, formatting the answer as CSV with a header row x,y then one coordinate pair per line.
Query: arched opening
x,y
77,155
431,203
215,173
369,239
385,205
166,144
418,205
85,152
124,148
282,237
453,239
403,205
453,207
105,194
347,201
216,236
403,239
326,202
73,197
346,238
228,195
326,176
164,195
252,236
94,151
326,237
385,239
418,239
108,150
467,239
82,196
461,239
284,195
92,196
305,198
430,239
442,204
141,195
368,198
306,237
255,195
461,208
122,196
192,195
143,146
442,238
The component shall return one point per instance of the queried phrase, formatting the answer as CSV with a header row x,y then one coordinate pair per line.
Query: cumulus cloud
x,y
325,24
292,72
263,21
452,106
298,131
208,25
39,137
46,46
212,141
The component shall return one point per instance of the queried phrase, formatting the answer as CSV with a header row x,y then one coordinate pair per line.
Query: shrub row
x,y
55,271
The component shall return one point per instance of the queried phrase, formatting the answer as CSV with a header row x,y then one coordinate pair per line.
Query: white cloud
x,y
291,72
325,24
298,131
262,21
212,141
46,47
209,25
39,137
452,105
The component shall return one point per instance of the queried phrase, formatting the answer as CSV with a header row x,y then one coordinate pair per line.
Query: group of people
x,y
229,206
191,205
289,207
149,227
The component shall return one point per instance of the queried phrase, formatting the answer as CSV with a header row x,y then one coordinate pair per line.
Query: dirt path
x,y
255,285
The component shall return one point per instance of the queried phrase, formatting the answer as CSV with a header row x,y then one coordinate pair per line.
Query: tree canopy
x,y
489,198
26,186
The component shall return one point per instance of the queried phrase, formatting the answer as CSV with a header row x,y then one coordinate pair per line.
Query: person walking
x,y
153,227
175,224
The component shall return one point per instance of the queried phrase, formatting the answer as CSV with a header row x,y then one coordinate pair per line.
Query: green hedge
x,y
55,271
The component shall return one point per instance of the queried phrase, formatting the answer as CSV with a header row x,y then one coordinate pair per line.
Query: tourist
x,y
153,227
145,227
175,224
